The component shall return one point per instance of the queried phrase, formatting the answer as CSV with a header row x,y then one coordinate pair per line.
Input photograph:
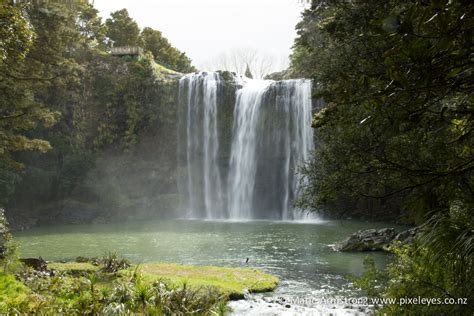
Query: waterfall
x,y
240,144
243,160
204,187
299,107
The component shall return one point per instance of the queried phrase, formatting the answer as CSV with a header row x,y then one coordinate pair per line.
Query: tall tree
x,y
91,27
19,110
122,29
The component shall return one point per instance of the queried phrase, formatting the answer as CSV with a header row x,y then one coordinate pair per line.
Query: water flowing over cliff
x,y
240,144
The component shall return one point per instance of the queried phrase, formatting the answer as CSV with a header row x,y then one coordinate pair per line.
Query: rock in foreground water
x,y
367,240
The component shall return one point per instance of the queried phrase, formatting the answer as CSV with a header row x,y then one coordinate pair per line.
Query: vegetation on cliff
x,y
396,132
70,113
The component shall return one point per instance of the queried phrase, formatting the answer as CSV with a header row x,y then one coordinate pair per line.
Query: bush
x,y
112,263
96,294
439,266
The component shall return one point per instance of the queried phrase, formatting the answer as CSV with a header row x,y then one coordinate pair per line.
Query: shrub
x,y
112,263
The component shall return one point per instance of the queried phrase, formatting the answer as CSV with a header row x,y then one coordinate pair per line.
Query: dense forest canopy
x,y
395,138
397,80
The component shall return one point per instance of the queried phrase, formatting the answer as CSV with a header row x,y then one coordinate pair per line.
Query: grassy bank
x,y
77,288
230,282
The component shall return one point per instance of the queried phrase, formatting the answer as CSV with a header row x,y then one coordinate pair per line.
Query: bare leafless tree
x,y
238,59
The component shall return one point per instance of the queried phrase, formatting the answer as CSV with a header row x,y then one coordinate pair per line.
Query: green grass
x,y
234,282
12,292
161,71
83,288
10,287
73,267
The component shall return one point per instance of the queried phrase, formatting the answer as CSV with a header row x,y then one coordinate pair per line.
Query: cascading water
x,y
243,160
239,151
203,187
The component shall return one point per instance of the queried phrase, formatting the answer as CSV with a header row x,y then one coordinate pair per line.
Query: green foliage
x,y
374,280
65,101
8,181
15,33
92,28
19,111
102,293
127,96
12,293
233,283
439,266
396,131
122,29
76,268
112,263
414,274
164,53
395,136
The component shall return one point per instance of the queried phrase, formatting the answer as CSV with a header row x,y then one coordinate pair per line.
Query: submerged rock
x,y
367,240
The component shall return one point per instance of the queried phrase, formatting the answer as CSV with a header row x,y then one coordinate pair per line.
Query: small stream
x,y
298,253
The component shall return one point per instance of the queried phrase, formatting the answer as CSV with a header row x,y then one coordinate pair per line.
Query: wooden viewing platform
x,y
134,51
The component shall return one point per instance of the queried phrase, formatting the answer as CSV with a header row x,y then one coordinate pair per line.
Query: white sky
x,y
206,28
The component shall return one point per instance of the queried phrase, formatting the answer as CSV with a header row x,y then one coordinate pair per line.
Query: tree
x,y
122,29
164,53
248,73
238,60
91,27
19,111
396,94
395,138
64,101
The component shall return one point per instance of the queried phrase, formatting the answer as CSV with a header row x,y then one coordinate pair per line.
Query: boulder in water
x,y
367,240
